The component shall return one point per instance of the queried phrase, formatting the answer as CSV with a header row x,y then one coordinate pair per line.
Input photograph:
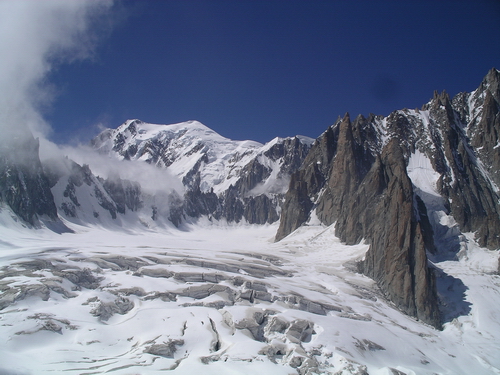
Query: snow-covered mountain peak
x,y
216,171
134,131
492,78
185,148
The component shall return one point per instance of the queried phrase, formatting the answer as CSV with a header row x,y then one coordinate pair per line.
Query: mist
x,y
35,38
151,178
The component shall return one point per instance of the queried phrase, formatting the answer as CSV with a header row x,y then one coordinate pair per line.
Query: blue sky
x,y
260,69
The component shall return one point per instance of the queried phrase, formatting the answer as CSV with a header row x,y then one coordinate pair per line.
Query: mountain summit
x,y
223,179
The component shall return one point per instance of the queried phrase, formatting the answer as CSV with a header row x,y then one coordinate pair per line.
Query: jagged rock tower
x,y
357,176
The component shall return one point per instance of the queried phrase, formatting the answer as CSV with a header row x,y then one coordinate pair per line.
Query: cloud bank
x,y
36,36
152,179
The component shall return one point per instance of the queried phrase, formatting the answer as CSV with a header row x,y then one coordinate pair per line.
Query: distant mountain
x,y
223,179
409,184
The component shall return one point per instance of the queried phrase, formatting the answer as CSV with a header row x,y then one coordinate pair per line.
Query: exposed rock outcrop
x,y
481,111
126,194
357,176
307,182
370,197
465,184
397,257
24,186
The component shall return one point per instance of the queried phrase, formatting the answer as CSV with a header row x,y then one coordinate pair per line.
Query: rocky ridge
x,y
357,176
24,186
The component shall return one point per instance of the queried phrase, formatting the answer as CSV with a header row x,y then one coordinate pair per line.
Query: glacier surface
x,y
226,299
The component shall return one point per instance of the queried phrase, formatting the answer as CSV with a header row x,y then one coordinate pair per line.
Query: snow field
x,y
225,300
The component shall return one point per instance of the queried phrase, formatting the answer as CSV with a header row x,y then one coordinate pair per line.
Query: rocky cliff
x,y
369,196
24,187
390,180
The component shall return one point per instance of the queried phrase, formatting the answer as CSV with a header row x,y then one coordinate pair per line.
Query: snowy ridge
x,y
222,179
182,148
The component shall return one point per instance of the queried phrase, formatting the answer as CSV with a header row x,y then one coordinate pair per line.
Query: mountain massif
x,y
221,179
392,181
408,184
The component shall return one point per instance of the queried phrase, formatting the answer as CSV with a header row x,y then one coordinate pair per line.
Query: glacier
x,y
226,299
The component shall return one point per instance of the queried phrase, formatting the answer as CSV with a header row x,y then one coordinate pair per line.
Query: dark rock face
x,y
297,207
369,196
78,176
260,209
484,119
465,181
349,167
24,186
397,257
126,194
355,176
307,182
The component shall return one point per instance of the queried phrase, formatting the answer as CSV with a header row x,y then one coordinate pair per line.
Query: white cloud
x,y
35,36
151,178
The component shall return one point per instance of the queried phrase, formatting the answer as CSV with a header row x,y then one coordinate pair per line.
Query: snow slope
x,y
228,300
187,148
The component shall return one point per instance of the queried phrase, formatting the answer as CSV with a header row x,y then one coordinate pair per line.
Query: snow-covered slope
x,y
193,152
83,198
228,301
